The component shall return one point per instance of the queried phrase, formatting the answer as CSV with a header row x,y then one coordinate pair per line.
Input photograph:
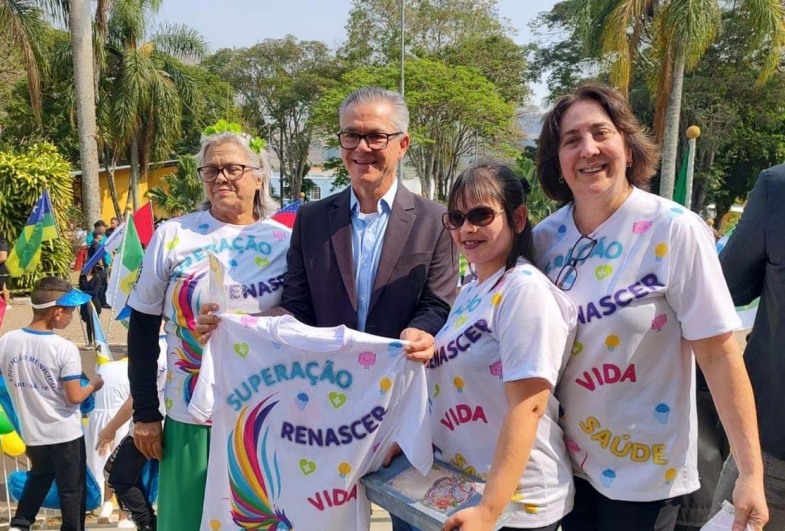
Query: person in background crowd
x,y
90,283
113,224
753,262
5,276
645,277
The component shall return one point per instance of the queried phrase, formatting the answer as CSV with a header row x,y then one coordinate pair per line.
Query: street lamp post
x,y
693,132
402,85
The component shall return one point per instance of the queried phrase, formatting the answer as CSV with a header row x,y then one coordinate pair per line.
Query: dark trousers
x,y
101,274
595,512
64,462
123,474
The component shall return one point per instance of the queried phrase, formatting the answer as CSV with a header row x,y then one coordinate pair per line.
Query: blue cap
x,y
74,297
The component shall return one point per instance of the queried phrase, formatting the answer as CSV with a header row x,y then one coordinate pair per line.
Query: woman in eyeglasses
x,y
233,225
644,274
497,360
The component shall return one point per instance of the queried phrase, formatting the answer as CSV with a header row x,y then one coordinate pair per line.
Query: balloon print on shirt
x,y
661,251
579,454
254,477
204,228
658,323
366,359
641,227
612,342
670,475
385,384
496,299
344,469
561,232
496,369
301,400
394,348
577,348
261,262
189,352
172,243
607,477
661,413
458,382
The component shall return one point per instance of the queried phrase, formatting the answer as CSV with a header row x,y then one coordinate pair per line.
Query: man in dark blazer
x,y
753,262
374,257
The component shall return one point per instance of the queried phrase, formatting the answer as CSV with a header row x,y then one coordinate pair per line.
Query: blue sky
x,y
242,23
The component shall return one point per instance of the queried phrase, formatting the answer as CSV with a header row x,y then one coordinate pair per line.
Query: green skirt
x,y
183,476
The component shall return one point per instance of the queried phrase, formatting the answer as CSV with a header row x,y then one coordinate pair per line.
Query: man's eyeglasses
x,y
232,172
568,274
374,141
478,216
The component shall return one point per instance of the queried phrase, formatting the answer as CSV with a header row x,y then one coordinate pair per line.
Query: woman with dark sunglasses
x,y
645,277
497,360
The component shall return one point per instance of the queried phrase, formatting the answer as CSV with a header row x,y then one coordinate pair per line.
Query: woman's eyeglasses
x,y
568,274
478,216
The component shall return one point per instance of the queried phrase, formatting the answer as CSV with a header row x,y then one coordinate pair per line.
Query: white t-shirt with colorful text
x,y
300,414
515,325
175,279
651,284
35,367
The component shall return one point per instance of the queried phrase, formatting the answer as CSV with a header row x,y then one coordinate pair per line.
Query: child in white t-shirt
x,y
498,359
42,372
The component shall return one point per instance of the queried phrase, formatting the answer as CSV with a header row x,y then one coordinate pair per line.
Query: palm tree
x,y
23,22
673,35
144,86
184,189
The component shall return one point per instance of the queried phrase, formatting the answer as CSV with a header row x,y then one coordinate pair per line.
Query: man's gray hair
x,y
400,117
264,205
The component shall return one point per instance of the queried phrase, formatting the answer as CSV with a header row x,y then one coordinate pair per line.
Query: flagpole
x,y
693,132
117,284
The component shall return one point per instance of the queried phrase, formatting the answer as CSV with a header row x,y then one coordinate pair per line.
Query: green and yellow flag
x,y
40,227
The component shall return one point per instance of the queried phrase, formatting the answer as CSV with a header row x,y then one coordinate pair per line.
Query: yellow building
x,y
122,180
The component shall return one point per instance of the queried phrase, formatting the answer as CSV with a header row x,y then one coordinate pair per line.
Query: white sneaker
x,y
125,523
105,516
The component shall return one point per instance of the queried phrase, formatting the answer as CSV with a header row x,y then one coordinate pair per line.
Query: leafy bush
x,y
24,175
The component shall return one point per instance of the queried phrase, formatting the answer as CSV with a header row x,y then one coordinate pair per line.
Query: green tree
x,y
24,174
183,191
144,86
374,28
671,37
452,110
540,205
278,82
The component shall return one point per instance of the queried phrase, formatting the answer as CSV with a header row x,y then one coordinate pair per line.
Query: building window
x,y
315,193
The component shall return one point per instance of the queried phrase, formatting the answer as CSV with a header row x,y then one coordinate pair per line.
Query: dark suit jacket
x,y
753,262
415,282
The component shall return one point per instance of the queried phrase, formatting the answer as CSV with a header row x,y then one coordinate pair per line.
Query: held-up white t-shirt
x,y
300,414
35,367
651,284
175,281
514,326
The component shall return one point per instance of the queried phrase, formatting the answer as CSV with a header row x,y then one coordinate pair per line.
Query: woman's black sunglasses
x,y
478,216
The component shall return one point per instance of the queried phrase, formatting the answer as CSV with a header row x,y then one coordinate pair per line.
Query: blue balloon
x,y
89,403
8,406
16,485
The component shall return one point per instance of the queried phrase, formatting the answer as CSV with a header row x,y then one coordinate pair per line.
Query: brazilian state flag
x,y
40,227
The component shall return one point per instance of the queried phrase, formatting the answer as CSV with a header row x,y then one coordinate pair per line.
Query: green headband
x,y
222,126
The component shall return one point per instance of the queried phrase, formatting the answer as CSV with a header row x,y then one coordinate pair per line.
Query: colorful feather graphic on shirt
x,y
189,353
255,481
